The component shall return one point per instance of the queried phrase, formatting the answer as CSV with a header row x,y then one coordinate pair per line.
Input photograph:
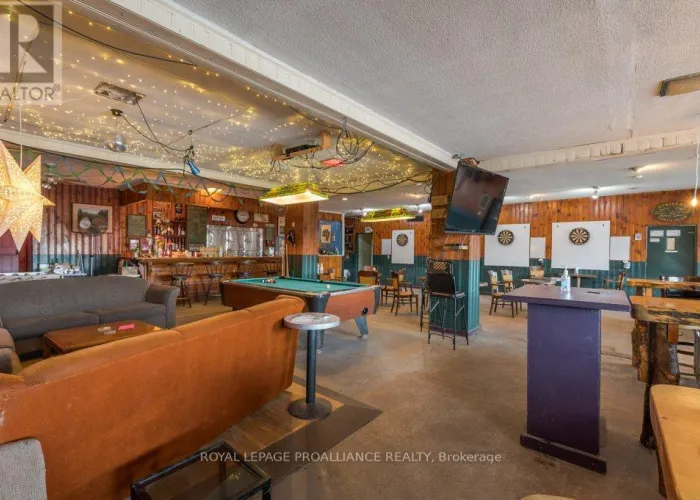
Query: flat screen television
x,y
477,199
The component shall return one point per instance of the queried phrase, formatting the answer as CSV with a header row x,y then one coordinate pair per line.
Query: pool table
x,y
345,300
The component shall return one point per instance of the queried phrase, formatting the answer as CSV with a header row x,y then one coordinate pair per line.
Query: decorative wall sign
x,y
325,233
402,239
506,237
261,217
280,225
579,236
672,211
218,218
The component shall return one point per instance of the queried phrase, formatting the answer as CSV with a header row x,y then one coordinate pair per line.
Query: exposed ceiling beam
x,y
592,152
202,41
126,159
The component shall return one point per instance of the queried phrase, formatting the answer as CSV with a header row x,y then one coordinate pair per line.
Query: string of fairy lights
x,y
236,125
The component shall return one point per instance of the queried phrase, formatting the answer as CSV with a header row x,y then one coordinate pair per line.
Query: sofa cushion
x,y
9,362
51,297
23,328
139,310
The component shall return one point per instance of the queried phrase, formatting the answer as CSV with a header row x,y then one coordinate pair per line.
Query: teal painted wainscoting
x,y
303,266
467,280
101,263
350,263
636,270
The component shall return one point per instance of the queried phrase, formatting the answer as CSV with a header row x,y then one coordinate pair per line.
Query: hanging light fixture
x,y
302,192
21,202
116,143
399,213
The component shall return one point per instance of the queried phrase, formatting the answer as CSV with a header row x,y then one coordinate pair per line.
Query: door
x,y
671,251
9,256
364,250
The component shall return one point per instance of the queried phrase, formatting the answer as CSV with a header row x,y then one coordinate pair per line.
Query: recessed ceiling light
x,y
344,198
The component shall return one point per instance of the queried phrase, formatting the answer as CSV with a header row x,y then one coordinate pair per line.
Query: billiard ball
x,y
328,286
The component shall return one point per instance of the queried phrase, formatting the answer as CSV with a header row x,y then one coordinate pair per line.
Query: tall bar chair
x,y
443,288
180,273
433,266
216,271
246,268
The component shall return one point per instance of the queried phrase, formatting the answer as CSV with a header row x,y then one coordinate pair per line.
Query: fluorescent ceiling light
x,y
387,215
303,192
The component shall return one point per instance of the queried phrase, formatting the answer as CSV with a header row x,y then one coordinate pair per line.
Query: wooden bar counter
x,y
157,269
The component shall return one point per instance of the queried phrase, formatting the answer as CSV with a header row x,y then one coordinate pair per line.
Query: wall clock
x,y
506,237
241,216
402,240
579,236
672,211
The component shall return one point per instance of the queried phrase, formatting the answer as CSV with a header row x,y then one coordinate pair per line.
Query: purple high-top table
x,y
563,370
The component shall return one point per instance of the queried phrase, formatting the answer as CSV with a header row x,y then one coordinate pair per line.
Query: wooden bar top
x,y
663,310
675,412
660,284
172,260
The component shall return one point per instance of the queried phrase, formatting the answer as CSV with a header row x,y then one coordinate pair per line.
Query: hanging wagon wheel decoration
x,y
506,237
579,236
402,240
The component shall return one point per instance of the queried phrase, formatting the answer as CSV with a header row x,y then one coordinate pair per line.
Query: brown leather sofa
x,y
108,415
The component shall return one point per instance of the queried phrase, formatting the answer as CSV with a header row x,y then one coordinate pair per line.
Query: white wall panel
x,y
517,254
594,255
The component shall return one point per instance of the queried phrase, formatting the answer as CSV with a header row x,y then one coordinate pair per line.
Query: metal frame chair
x,y
216,271
442,286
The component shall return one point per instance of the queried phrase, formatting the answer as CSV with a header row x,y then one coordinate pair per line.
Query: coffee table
x,y
73,339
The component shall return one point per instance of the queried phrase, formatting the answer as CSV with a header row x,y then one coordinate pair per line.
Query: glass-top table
x,y
214,473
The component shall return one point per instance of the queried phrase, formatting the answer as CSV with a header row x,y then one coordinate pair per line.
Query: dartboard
x,y
506,237
579,236
402,240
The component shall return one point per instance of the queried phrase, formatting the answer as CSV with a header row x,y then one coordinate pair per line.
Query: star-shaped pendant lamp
x,y
21,202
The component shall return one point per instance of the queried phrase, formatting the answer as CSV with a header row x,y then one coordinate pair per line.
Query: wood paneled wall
x,y
330,261
628,214
382,230
303,218
58,241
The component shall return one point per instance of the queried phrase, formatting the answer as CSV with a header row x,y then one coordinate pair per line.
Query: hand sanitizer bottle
x,y
565,281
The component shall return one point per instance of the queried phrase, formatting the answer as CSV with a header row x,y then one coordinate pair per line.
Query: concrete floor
x,y
470,400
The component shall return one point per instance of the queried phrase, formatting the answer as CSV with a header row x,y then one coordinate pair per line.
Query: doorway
x,y
671,251
363,246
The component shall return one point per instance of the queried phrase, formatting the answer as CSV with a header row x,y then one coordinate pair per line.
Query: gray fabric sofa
x,y
30,309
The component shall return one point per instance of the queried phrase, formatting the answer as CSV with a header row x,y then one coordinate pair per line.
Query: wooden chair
x,y
536,272
618,283
509,286
367,277
402,294
324,277
497,295
273,268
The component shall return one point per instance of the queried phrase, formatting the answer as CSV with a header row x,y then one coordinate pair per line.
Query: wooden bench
x,y
675,413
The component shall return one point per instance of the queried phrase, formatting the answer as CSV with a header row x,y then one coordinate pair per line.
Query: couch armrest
x,y
166,295
9,362
6,340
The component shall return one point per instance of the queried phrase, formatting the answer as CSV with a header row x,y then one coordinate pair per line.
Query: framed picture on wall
x,y
91,219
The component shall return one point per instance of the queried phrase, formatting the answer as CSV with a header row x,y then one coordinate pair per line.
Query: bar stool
x,y
273,268
433,266
442,286
216,271
180,273
245,268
